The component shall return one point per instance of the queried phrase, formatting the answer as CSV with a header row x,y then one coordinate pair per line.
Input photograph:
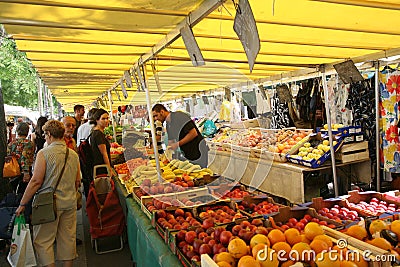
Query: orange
x,y
395,228
259,239
361,262
347,264
271,260
287,263
324,238
224,257
276,236
380,242
248,261
255,250
237,248
304,239
313,229
377,226
319,245
299,252
357,231
282,246
223,264
330,259
292,236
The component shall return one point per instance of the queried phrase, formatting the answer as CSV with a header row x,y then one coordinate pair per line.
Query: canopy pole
x,y
152,129
40,97
111,115
377,111
51,105
328,118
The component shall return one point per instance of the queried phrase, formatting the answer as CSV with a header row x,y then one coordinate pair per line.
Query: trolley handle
x,y
99,167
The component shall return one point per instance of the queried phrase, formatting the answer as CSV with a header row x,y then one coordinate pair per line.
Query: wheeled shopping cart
x,y
106,217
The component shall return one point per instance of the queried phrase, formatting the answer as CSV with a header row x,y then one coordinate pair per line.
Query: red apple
x,y
257,222
236,229
205,249
180,236
190,236
225,237
196,244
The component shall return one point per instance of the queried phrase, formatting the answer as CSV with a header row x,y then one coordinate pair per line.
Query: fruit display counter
x,y
281,179
181,236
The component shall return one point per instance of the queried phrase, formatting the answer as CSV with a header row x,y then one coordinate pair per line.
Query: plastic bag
x,y
21,250
209,128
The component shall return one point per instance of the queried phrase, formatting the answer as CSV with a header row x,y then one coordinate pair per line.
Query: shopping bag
x,y
11,167
21,250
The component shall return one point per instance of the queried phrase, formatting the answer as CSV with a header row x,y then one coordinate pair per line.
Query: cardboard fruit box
x,y
219,208
286,213
164,231
185,261
249,204
392,196
220,191
332,208
313,163
165,201
342,131
356,198
196,197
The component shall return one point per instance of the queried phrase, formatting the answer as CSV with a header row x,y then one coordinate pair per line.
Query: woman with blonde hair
x,y
49,164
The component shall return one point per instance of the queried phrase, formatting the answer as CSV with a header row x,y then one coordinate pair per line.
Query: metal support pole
x,y
40,97
112,117
377,137
153,130
328,118
45,100
51,106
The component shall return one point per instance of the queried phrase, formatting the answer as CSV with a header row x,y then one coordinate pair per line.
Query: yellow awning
x,y
82,48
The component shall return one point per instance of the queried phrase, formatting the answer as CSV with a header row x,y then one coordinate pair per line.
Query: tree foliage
x,y
18,76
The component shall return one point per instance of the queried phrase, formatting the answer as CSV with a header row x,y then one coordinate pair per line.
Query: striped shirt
x,y
54,155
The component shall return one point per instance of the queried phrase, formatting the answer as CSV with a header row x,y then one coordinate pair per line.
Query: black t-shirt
x,y
78,123
178,128
98,138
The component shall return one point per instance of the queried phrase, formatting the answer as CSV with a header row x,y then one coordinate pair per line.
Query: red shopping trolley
x,y
105,214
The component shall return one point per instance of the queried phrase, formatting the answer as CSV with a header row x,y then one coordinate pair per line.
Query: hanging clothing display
x,y
263,105
236,114
337,94
303,99
361,102
280,114
390,97
250,102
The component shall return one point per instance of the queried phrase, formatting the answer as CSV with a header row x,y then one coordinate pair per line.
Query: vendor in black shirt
x,y
183,133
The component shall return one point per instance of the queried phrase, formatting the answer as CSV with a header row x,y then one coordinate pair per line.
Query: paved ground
x,y
86,255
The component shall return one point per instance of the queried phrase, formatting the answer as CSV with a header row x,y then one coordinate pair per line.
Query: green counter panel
x,y
147,247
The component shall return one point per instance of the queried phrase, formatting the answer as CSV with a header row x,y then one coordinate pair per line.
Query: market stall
x,y
266,175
